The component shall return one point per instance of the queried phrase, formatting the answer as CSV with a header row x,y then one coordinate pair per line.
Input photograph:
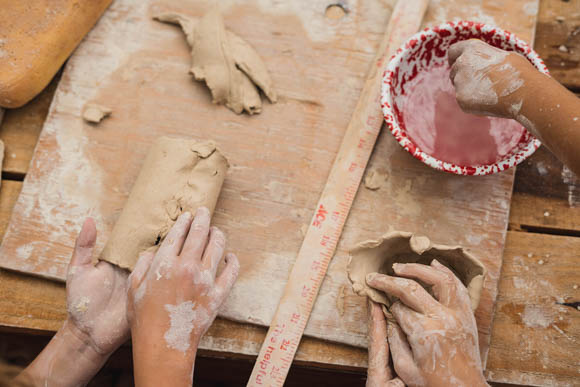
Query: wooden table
x,y
536,324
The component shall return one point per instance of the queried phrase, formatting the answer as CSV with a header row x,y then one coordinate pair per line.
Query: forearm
x,y
68,360
156,364
552,114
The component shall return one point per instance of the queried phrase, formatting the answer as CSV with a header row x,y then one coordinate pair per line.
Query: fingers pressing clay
x,y
214,251
176,237
379,371
178,175
198,233
230,67
378,256
443,283
408,291
141,267
227,277
85,243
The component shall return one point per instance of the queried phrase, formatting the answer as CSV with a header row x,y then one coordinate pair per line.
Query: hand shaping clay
x,y
230,67
378,256
178,175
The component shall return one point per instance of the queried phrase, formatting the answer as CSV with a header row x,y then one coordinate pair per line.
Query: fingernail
x,y
371,277
202,211
186,215
398,266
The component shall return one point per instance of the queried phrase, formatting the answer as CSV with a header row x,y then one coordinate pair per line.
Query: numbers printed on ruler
x,y
322,236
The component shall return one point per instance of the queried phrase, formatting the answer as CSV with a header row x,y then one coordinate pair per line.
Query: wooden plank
x,y
21,128
558,39
8,196
535,337
546,196
35,305
280,158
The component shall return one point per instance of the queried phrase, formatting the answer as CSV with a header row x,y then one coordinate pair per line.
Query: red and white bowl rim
x,y
525,150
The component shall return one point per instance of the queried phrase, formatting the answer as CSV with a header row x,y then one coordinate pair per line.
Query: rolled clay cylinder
x,y
178,175
36,37
378,256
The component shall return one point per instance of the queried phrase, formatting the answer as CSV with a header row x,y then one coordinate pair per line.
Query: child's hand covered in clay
x,y
435,342
96,323
379,373
174,297
96,295
487,80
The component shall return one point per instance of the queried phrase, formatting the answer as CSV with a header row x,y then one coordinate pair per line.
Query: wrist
x,y
155,362
80,345
70,359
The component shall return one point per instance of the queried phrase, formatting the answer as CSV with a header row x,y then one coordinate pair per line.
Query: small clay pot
x,y
378,256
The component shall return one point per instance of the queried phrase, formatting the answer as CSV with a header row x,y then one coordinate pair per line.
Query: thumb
x,y
85,244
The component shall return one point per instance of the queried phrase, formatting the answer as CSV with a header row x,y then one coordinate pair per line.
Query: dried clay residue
x,y
375,179
230,67
95,113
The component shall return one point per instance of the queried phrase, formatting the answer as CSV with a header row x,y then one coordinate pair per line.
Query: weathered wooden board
x,y
280,158
537,324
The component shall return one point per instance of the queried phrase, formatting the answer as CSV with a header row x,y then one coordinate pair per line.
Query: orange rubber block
x,y
36,37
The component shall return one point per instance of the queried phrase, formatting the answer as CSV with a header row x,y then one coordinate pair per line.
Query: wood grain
x,y
535,336
21,128
280,158
559,42
30,311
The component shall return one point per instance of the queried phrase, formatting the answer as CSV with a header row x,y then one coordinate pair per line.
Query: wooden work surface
x,y
280,158
530,343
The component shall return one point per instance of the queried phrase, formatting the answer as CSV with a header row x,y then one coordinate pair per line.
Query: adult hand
x,y
174,297
487,80
435,342
379,373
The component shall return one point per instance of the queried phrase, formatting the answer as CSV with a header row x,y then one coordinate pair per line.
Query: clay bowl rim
x,y
526,149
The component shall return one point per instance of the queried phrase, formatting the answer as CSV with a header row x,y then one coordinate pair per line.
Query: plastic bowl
x,y
428,48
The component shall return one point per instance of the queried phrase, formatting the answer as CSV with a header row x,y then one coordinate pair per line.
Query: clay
x,y
95,113
375,178
378,256
230,67
178,175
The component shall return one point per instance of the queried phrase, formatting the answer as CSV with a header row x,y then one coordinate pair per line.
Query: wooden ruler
x,y
321,239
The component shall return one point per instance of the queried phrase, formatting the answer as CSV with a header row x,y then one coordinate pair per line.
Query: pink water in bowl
x,y
435,122
419,106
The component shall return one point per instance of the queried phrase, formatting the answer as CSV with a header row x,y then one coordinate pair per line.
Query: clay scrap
x,y
178,175
378,256
375,179
95,113
230,67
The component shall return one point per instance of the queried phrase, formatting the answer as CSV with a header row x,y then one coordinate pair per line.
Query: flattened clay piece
x,y
378,256
178,175
230,67
95,113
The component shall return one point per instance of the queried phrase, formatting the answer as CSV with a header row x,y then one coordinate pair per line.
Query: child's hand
x,y
174,296
435,342
487,80
96,296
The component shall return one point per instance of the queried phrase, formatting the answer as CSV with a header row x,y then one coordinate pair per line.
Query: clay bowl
x,y
429,48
